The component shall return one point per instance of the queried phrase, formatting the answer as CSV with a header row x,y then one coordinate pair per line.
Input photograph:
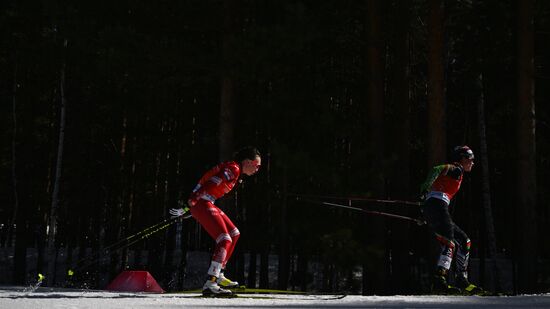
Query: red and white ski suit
x,y
214,184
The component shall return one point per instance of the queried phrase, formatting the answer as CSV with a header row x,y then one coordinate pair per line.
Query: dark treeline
x,y
111,111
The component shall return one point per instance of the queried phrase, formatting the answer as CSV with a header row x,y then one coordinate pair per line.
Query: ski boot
x,y
226,283
441,286
211,288
469,288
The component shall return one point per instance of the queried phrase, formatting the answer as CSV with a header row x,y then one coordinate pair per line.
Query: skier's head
x,y
249,158
465,156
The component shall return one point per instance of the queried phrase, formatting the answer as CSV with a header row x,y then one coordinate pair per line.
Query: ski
x,y
272,296
471,290
292,297
482,292
245,290
232,295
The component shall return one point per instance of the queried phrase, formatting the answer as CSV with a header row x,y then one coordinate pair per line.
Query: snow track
x,y
18,298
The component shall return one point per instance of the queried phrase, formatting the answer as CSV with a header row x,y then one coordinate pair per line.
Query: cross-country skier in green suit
x,y
439,188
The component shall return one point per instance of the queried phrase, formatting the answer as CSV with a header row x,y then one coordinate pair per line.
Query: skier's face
x,y
467,164
251,167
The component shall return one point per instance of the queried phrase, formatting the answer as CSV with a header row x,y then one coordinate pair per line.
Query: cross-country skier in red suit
x,y
215,183
440,187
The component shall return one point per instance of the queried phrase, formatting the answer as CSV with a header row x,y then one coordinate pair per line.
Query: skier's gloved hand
x,y
180,212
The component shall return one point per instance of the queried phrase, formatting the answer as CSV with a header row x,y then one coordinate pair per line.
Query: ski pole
x,y
372,212
359,198
128,245
142,235
128,238
145,231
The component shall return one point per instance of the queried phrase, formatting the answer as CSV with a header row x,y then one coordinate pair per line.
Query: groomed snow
x,y
19,298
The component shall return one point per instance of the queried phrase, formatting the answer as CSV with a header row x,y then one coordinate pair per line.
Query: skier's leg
x,y
234,234
463,252
447,251
436,213
462,259
209,216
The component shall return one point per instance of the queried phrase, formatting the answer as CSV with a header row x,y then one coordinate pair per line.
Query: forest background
x,y
112,110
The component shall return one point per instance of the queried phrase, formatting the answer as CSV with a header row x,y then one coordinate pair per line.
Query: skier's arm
x,y
454,171
222,178
432,176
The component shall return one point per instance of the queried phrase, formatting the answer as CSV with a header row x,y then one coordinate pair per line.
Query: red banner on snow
x,y
135,281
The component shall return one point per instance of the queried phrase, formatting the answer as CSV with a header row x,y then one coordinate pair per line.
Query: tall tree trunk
x,y
375,92
301,274
103,275
42,244
155,258
42,261
401,119
120,224
269,220
52,253
526,167
252,269
227,106
173,238
375,142
226,119
264,268
486,185
182,241
7,241
21,234
284,256
130,187
21,240
400,122
436,85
